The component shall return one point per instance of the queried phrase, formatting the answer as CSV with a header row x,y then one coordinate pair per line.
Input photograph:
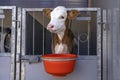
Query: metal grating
x,y
5,30
39,41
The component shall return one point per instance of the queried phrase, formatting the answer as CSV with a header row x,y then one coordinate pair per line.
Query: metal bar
x,y
115,34
88,37
89,14
13,42
23,31
104,47
43,34
4,54
2,39
78,44
79,9
110,45
33,33
23,41
15,54
99,43
7,7
30,58
18,54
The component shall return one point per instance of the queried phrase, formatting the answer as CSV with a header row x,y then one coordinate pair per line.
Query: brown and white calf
x,y
63,38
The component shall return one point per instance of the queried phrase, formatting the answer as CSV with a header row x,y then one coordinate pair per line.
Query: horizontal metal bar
x,y
79,9
4,54
7,7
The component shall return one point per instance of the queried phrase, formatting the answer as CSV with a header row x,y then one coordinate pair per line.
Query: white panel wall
x,y
5,68
85,69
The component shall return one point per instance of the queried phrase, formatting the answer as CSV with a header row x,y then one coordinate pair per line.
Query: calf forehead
x,y
60,10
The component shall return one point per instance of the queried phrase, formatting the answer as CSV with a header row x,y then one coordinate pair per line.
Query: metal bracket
x,y
105,25
30,58
101,23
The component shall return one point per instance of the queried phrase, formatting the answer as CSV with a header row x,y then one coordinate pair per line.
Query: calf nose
x,y
50,26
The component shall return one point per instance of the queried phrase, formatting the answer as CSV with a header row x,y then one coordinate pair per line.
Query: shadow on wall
x,y
37,39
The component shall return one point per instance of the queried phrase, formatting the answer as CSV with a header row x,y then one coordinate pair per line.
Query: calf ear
x,y
47,12
72,14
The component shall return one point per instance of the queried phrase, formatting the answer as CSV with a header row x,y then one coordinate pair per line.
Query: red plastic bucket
x,y
59,64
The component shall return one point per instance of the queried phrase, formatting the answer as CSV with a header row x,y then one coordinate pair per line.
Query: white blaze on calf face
x,y
57,22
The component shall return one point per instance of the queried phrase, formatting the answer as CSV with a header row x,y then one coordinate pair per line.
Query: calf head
x,y
58,18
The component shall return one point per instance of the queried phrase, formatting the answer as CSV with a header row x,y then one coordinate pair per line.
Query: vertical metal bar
x,y
1,37
99,43
118,54
118,38
89,5
115,37
104,47
19,43
23,41
43,33
18,49
88,37
2,41
33,33
78,44
18,54
110,45
13,46
23,31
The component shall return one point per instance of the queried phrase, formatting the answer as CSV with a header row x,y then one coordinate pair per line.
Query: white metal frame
x,y
13,40
21,48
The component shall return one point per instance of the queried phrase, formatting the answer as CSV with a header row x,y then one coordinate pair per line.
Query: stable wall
x,y
111,61
45,3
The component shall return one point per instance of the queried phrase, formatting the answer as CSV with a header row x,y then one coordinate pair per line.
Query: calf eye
x,y
61,17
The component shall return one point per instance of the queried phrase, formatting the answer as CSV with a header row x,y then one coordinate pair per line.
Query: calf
x,y
63,38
